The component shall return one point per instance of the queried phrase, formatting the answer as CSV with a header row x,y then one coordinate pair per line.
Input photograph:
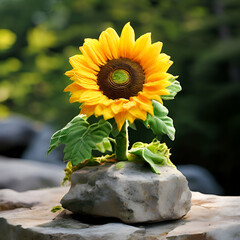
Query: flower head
x,y
117,77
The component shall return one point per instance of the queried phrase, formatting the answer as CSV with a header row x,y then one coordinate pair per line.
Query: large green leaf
x,y
80,138
174,88
160,123
155,154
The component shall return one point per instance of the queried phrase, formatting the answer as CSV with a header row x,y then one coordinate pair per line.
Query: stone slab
x,y
210,218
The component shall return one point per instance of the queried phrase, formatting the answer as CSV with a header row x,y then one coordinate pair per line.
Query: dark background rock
x,y
15,135
26,139
39,145
23,175
200,179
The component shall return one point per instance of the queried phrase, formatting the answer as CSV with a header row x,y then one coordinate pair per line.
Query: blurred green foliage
x,y
202,37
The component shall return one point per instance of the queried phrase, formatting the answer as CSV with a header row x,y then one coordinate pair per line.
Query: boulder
x,y
133,193
200,179
29,217
23,175
38,147
15,134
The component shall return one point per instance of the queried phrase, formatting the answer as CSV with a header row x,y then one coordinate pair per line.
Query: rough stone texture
x,y
133,193
23,175
211,218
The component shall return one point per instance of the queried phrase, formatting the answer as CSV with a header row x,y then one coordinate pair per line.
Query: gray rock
x,y
15,132
38,147
200,179
22,175
132,194
26,139
211,217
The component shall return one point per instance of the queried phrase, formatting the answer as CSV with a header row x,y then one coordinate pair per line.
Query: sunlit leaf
x,y
155,154
104,146
174,88
80,138
160,123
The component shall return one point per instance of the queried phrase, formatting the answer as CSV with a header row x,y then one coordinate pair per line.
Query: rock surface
x,y
29,217
200,179
39,145
133,193
15,134
23,175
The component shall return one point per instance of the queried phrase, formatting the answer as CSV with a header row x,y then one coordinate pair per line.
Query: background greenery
x,y
201,36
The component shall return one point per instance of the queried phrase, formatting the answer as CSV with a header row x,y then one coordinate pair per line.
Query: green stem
x,y
122,143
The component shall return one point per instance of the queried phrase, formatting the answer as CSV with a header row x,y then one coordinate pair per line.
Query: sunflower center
x,y
121,78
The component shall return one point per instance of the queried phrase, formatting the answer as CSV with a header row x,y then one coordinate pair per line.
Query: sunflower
x,y
117,77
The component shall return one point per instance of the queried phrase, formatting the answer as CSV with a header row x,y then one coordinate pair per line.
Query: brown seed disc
x,y
114,90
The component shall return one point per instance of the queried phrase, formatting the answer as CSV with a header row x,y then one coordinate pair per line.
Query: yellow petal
x,y
127,41
93,51
143,102
91,97
157,84
158,76
78,74
120,119
153,97
75,97
138,113
102,110
78,63
141,45
84,80
157,46
86,85
88,109
130,117
90,62
129,104
117,105
107,113
69,73
161,64
109,40
150,55
98,110
155,90
72,88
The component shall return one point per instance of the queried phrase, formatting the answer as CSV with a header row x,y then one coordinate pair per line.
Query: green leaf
x,y
114,131
133,126
56,208
104,146
80,138
160,123
174,88
120,165
146,155
155,154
